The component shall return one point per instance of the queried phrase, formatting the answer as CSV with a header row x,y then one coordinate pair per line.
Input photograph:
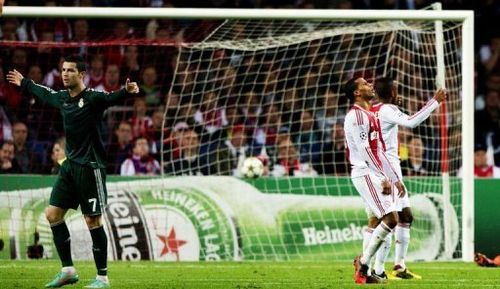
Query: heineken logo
x,y
130,239
192,229
327,235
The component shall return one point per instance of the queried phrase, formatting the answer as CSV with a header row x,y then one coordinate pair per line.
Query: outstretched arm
x,y
44,93
394,115
107,99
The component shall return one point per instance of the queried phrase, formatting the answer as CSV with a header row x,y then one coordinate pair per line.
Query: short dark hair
x,y
384,86
349,88
80,62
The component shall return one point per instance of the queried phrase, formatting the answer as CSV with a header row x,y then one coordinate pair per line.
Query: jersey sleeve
x,y
104,99
392,114
45,94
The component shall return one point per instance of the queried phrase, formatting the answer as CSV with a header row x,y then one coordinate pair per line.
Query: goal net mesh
x,y
216,93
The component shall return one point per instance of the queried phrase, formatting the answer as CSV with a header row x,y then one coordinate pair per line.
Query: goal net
x,y
214,93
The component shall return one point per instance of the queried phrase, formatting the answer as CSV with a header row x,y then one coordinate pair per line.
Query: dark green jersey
x,y
82,116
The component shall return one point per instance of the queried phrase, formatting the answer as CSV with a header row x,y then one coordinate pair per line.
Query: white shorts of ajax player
x,y
370,188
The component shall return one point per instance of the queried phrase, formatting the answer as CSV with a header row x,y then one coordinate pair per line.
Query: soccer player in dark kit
x,y
82,176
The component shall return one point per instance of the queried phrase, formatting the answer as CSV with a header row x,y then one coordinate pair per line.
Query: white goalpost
x,y
278,65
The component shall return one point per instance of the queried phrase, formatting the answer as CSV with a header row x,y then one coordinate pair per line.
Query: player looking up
x,y
389,118
372,175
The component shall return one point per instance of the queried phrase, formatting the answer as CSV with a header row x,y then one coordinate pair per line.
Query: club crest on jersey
x,y
363,135
80,103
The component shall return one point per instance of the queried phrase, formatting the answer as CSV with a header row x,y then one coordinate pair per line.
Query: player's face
x,y
396,99
365,89
70,75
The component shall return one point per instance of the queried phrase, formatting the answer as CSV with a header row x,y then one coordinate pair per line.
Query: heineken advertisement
x,y
217,218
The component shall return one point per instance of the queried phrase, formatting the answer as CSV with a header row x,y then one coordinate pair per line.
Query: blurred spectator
x,y
288,163
11,29
266,135
58,27
53,78
292,104
488,119
328,112
8,164
111,79
251,109
23,154
490,55
35,73
58,155
130,67
80,35
308,139
172,101
334,159
9,95
80,30
149,87
120,147
95,75
121,31
210,115
230,156
5,126
155,133
404,136
141,162
19,60
140,121
189,163
481,166
416,164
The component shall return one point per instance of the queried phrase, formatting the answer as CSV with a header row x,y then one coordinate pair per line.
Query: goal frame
x,y
466,17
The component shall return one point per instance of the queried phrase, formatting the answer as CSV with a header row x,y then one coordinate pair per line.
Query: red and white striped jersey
x,y
390,117
364,149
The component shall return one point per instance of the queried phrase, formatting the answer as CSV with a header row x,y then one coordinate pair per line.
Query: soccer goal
x,y
234,83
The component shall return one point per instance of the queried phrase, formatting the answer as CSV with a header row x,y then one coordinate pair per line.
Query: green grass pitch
x,y
251,275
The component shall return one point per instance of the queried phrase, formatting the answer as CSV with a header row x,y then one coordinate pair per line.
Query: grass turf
x,y
251,275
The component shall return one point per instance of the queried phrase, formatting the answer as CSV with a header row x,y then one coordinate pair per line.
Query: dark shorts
x,y
80,185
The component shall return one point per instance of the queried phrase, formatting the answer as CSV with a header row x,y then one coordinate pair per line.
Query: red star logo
x,y
171,244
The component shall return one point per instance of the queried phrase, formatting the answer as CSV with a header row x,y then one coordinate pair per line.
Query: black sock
x,y
62,241
100,249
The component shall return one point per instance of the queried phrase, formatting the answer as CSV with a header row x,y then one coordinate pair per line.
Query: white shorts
x,y
403,202
370,188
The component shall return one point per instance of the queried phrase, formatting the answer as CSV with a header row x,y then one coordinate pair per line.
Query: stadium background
x,y
40,63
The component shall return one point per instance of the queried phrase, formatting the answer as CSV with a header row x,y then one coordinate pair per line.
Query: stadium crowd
x,y
221,123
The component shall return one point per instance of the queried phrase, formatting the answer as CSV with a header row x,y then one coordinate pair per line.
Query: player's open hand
x,y
386,187
401,188
441,95
131,87
15,77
